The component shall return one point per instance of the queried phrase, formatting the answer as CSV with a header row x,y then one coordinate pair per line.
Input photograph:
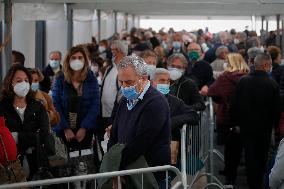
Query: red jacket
x,y
9,143
222,90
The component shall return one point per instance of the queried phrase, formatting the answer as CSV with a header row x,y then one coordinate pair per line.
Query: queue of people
x,y
107,93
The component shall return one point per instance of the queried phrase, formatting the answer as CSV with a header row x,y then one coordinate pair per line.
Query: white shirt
x,y
109,92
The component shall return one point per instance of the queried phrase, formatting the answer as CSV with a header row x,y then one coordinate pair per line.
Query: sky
x,y
213,25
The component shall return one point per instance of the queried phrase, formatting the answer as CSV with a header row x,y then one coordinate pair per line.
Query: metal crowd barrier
x,y
74,179
197,151
197,158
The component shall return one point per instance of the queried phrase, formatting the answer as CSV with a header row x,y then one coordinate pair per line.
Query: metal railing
x,y
197,160
64,180
197,150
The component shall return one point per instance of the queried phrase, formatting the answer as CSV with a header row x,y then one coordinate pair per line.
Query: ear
x,y
144,77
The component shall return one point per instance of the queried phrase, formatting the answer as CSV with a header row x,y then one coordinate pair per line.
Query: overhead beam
x,y
7,35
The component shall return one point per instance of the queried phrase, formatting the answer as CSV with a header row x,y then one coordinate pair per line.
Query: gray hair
x,y
253,42
252,52
261,59
120,45
159,71
137,63
177,56
220,49
58,52
223,37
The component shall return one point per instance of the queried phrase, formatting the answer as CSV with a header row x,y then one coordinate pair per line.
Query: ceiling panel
x,y
178,7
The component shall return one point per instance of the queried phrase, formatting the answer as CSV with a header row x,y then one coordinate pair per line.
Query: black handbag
x,y
42,161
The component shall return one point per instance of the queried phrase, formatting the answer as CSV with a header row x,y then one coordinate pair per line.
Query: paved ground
x,y
241,179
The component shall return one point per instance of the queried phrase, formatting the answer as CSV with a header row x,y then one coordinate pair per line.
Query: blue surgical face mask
x,y
54,63
177,45
163,88
35,86
130,92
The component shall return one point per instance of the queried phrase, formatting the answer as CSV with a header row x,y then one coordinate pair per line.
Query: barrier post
x,y
183,156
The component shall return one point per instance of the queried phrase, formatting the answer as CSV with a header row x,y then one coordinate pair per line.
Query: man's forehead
x,y
162,76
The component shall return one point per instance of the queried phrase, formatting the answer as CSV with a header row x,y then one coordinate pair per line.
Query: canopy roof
x,y
178,7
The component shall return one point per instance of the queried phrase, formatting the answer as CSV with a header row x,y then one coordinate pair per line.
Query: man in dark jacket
x,y
256,109
181,87
199,70
180,112
51,71
134,124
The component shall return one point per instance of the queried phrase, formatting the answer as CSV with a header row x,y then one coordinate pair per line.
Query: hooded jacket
x,y
221,91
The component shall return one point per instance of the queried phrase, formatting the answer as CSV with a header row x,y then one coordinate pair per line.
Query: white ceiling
x,y
178,7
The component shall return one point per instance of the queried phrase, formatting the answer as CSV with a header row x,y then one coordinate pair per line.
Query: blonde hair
x,y
67,71
237,63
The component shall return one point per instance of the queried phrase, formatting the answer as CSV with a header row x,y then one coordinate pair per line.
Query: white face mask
x,y
101,49
22,89
175,73
76,65
95,69
225,65
236,41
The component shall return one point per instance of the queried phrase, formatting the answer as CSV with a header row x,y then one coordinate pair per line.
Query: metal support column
x,y
262,33
99,24
126,21
267,24
115,22
138,22
282,39
40,44
69,17
278,30
133,20
7,37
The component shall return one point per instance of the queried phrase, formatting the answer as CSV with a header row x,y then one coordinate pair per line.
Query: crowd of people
x,y
122,101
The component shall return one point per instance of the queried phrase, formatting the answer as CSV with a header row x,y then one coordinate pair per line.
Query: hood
x,y
234,77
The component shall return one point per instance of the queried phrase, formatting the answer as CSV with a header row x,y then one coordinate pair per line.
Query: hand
x,y
115,183
69,135
80,135
15,136
107,130
204,90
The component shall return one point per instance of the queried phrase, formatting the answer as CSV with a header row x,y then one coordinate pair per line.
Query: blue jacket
x,y
89,105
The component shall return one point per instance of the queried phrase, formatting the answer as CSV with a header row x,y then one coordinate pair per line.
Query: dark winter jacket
x,y
46,83
35,119
201,72
256,104
180,114
186,90
89,104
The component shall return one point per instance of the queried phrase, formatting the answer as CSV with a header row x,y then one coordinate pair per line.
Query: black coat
x,y
201,72
180,114
46,83
277,71
186,90
256,104
35,119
